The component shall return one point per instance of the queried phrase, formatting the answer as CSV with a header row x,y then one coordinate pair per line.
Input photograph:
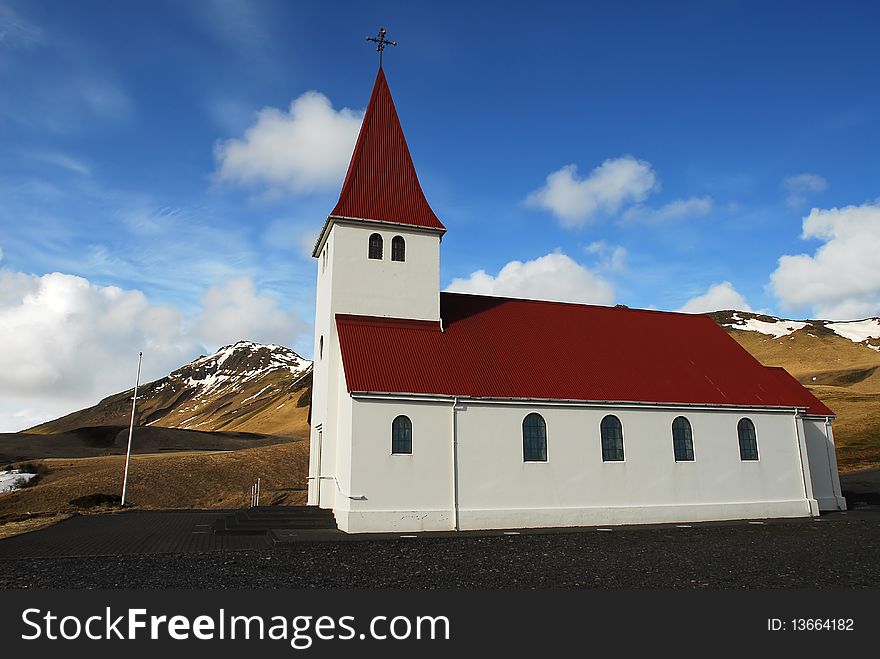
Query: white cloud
x,y
841,280
719,297
609,186
65,342
611,257
300,151
235,310
551,277
799,186
675,210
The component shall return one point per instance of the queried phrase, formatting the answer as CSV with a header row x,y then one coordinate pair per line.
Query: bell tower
x,y
378,254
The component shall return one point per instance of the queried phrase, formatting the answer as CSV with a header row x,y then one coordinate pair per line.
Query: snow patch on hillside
x,y
776,328
858,331
10,480
278,357
210,381
268,386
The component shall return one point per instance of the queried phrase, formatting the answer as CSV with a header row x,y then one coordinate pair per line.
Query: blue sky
x,y
677,155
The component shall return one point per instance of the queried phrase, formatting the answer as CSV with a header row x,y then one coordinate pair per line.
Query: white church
x,y
445,411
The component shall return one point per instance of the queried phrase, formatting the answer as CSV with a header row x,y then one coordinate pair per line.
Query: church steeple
x,y
379,250
381,184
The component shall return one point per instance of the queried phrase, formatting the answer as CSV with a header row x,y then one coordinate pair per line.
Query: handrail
x,y
359,497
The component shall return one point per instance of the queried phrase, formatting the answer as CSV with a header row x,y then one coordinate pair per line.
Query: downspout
x,y
808,489
455,524
832,464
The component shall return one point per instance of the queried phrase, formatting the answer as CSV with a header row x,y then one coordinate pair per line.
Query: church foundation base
x,y
831,503
388,521
616,516
385,521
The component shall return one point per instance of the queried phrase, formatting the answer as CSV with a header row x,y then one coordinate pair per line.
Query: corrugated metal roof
x,y
525,349
381,183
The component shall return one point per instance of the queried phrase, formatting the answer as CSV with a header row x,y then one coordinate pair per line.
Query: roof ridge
x,y
385,321
617,307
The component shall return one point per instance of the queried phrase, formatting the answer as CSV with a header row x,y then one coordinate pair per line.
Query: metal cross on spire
x,y
381,42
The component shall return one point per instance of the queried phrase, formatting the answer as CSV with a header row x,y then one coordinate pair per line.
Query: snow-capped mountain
x,y
865,332
248,387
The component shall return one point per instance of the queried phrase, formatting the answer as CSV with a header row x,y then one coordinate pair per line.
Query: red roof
x,y
785,379
525,349
381,183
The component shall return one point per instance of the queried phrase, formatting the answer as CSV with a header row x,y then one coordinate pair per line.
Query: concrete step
x,y
257,521
307,515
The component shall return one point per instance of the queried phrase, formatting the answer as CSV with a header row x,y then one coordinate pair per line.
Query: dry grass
x,y
175,480
19,526
827,357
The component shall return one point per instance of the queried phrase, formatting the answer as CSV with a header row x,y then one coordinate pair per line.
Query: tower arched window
x,y
534,438
748,439
682,440
398,249
612,439
401,435
375,246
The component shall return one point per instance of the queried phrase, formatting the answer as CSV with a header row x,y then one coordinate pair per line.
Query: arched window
x,y
612,439
398,249
375,246
682,439
748,439
534,438
401,435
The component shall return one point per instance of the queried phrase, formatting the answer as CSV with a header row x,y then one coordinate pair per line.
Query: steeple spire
x,y
381,184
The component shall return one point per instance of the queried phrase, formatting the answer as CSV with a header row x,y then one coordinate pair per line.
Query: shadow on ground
x,y
861,489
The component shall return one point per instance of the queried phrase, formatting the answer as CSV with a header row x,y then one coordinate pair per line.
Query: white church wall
x,y
322,447
327,463
341,482
574,486
823,464
401,492
497,489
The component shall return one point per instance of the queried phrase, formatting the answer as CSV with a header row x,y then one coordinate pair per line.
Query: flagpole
x,y
131,427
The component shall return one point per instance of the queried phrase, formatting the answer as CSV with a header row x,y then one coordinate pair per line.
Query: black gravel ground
x,y
839,552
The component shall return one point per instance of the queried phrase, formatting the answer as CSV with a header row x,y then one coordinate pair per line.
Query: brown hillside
x,y
113,440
